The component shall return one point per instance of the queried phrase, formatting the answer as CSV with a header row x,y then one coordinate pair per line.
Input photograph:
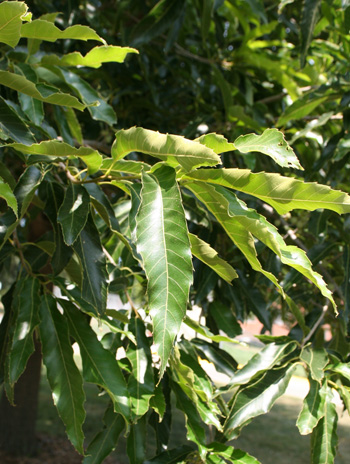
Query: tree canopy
x,y
176,154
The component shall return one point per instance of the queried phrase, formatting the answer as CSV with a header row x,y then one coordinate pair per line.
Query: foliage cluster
x,y
168,222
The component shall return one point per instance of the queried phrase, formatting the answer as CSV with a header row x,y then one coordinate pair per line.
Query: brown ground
x,y
52,450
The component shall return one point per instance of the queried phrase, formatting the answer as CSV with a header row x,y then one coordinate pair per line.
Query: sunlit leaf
x,y
316,359
313,408
11,14
7,194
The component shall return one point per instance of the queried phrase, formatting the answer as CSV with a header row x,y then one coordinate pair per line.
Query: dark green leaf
x,y
73,212
136,442
313,408
316,359
308,22
222,361
236,456
13,126
225,319
173,456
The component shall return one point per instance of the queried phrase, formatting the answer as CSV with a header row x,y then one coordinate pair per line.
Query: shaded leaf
x,y
225,319
106,440
93,59
272,143
41,92
172,456
174,149
204,331
308,22
13,126
236,456
222,360
93,263
63,375
164,246
73,212
7,194
99,365
313,408
204,252
11,14
136,442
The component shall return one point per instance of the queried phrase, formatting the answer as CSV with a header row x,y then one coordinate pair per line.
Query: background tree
x,y
81,217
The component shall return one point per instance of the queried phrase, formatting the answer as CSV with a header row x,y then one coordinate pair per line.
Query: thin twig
x,y
316,325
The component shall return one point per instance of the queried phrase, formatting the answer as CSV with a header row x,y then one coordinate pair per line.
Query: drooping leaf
x,y
283,193
11,14
234,455
73,212
41,92
272,143
222,361
24,322
299,316
136,442
165,249
99,365
257,399
313,407
205,332
324,439
106,440
141,380
63,375
93,59
93,262
33,108
172,456
264,360
58,149
225,319
7,194
204,252
174,149
45,30
316,359
307,25
13,126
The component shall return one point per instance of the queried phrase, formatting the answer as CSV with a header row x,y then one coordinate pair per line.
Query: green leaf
x,y
173,149
136,442
13,126
157,21
99,365
313,408
24,322
225,319
45,30
41,92
63,375
58,149
236,456
216,142
173,456
241,237
114,168
99,109
106,440
308,22
324,438
11,14
299,316
93,59
270,356
316,359
205,332
203,251
165,250
141,380
342,369
73,212
7,194
283,193
272,143
222,361
33,108
256,399
93,262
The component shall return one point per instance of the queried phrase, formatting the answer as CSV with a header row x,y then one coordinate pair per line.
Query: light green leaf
x,y
203,251
236,456
165,250
41,92
99,365
115,168
308,22
241,237
13,126
106,440
256,399
58,149
341,368
93,59
205,332
93,262
316,359
270,356
283,193
313,408
324,438
73,212
173,149
272,143
63,375
26,319
141,381
7,194
11,14
216,142
99,109
45,30
136,442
